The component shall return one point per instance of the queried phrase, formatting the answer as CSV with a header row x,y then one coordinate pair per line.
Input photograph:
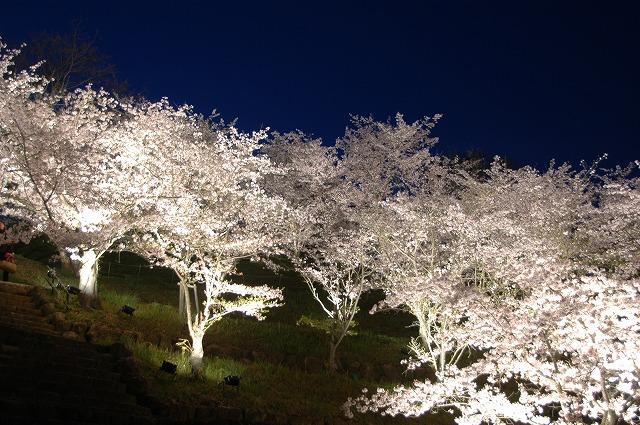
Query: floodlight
x,y
127,310
73,290
169,367
232,380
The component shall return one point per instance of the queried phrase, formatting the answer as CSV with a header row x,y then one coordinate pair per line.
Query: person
x,y
7,264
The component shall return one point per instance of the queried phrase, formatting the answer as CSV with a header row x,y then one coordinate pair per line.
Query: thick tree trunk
x,y
67,264
422,326
609,418
333,360
197,354
88,274
423,334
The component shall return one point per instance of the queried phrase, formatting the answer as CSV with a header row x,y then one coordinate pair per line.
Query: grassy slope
x,y
268,382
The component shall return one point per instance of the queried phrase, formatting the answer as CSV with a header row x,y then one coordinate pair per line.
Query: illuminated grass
x,y
269,384
264,386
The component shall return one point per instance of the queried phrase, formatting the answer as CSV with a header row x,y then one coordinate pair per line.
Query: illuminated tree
x,y
83,168
88,171
325,241
64,173
406,197
420,252
213,213
612,239
336,270
564,331
336,191
383,159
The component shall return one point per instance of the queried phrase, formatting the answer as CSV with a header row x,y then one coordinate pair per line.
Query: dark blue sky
x,y
532,80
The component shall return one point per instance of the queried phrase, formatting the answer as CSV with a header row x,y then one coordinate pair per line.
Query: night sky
x,y
530,80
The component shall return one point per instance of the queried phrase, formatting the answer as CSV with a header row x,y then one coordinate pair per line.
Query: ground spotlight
x,y
127,310
232,380
73,290
168,367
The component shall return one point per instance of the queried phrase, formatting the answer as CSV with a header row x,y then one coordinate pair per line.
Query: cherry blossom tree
x,y
386,158
83,167
88,170
59,166
572,349
14,88
335,191
214,212
612,239
307,183
407,202
325,244
564,331
336,270
420,254
570,334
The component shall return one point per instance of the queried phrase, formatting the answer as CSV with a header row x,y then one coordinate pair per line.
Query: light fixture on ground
x,y
72,290
168,367
231,380
127,310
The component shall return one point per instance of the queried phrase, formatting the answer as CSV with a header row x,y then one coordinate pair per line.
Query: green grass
x,y
33,272
119,298
274,379
264,386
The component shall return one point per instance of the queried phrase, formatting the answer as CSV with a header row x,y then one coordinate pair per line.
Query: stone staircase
x,y
47,379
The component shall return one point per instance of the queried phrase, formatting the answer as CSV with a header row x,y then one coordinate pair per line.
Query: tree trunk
x,y
609,418
89,277
197,354
66,263
422,326
333,361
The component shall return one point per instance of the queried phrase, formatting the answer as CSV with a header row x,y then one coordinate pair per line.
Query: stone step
x,y
19,412
6,359
127,403
15,288
14,420
22,317
22,388
106,413
65,355
10,317
8,352
64,362
46,370
51,346
41,330
20,372
42,411
90,367
20,308
16,337
86,359
12,299
10,322
26,323
61,382
47,379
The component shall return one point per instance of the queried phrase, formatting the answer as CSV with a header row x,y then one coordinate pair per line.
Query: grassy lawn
x,y
279,362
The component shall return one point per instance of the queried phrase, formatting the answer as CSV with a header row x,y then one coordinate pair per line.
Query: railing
x,y
55,283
